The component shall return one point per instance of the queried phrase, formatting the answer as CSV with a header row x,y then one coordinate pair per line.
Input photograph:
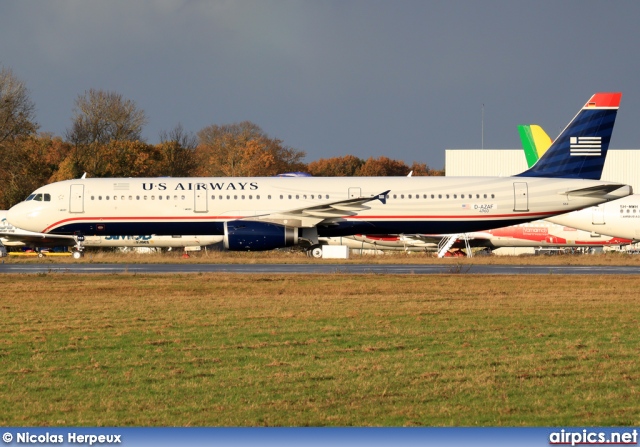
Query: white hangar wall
x,y
622,165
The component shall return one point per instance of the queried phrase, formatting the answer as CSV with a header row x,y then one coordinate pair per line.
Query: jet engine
x,y
249,235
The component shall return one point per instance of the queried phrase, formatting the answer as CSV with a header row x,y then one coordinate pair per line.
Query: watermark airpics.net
x,y
593,437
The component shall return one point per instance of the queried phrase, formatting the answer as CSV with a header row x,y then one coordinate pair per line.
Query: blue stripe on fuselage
x,y
344,228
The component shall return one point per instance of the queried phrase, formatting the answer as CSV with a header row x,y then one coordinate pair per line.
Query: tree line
x,y
105,140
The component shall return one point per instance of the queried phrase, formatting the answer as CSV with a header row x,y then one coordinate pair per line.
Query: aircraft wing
x,y
324,213
35,238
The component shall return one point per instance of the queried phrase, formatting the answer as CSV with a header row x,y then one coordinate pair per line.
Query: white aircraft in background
x,y
266,213
10,236
532,234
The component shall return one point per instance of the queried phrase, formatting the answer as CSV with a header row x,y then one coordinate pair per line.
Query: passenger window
x,y
409,196
455,196
439,196
492,196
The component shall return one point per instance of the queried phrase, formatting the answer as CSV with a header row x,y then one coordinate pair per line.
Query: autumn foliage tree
x,y
350,165
243,150
346,166
31,162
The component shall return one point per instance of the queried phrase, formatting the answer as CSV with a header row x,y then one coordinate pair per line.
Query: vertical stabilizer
x,y
581,148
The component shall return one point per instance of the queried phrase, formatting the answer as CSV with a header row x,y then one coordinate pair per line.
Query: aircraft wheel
x,y
316,251
77,254
41,255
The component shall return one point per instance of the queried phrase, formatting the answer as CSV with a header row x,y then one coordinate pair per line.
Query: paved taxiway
x,y
393,269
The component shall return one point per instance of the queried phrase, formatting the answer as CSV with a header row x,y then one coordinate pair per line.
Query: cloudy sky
x,y
404,79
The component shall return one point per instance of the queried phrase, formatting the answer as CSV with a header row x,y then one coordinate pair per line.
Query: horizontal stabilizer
x,y
594,191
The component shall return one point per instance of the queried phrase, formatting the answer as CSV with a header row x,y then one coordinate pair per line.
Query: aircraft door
x,y
520,196
355,193
76,199
200,205
598,215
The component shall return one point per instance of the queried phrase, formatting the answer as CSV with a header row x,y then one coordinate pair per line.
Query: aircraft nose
x,y
18,217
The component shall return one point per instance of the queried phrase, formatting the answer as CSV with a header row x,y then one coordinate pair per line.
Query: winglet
x,y
383,197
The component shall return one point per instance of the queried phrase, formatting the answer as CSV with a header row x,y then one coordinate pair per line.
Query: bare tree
x,y
101,117
17,111
177,148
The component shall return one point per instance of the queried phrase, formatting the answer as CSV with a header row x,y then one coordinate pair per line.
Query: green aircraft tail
x,y
535,142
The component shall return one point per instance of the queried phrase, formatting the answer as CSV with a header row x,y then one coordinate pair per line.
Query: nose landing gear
x,y
78,248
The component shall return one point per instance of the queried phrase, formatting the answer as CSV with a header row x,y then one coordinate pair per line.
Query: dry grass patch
x,y
299,257
218,349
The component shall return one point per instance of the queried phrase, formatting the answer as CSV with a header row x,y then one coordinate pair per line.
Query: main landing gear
x,y
315,251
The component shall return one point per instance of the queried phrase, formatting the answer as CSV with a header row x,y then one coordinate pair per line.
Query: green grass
x,y
335,350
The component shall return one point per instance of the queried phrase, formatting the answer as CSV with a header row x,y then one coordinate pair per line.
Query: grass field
x,y
336,350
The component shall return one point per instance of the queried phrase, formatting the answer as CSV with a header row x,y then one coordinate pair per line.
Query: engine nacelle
x,y
249,235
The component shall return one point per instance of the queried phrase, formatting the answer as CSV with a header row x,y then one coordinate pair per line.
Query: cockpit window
x,y
38,197
47,197
30,197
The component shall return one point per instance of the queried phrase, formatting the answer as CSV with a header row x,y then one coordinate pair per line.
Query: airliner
x,y
263,213
10,236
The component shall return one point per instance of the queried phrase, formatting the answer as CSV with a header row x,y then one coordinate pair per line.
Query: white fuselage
x,y
193,206
620,218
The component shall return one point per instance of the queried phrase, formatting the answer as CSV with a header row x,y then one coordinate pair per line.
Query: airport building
x,y
622,165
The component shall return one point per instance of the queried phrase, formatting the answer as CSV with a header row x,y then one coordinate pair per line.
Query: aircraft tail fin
x,y
581,148
535,142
